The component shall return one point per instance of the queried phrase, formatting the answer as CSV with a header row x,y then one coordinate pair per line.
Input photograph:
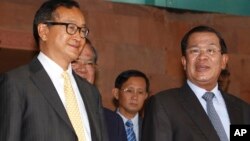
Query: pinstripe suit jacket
x,y
31,110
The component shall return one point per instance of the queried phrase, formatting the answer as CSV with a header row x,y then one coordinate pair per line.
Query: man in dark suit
x,y
36,101
85,66
130,92
115,126
184,114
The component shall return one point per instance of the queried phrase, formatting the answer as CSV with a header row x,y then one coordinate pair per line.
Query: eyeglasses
x,y
195,51
130,91
72,28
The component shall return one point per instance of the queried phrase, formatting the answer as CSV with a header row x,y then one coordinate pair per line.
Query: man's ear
x,y
147,95
184,62
43,31
225,58
115,92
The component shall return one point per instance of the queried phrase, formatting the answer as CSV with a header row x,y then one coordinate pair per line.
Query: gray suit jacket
x,y
31,110
177,115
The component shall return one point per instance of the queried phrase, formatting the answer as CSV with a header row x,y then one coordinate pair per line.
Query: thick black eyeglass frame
x,y
86,30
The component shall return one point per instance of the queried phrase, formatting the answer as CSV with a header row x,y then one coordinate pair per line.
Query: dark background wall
x,y
131,37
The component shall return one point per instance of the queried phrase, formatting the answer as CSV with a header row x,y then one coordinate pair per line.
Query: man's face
x,y
204,61
131,96
60,46
84,66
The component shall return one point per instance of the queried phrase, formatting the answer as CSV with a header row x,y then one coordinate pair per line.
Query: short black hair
x,y
225,73
46,13
202,28
125,75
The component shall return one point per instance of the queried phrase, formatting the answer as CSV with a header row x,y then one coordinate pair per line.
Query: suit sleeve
x,y
156,123
10,110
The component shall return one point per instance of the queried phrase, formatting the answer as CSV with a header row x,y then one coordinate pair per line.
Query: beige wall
x,y
132,37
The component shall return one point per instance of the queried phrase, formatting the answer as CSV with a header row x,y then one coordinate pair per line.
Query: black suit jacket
x,y
177,115
31,109
115,126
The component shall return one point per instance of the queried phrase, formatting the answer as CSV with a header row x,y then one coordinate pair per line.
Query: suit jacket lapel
x,y
41,79
197,114
233,108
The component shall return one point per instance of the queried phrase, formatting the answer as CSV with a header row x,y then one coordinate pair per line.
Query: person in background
x,y
86,67
224,80
45,100
130,92
198,110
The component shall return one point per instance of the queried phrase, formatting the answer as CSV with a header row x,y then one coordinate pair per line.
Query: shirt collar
x,y
199,92
52,67
135,119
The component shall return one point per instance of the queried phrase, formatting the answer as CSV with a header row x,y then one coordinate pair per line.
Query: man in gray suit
x,y
184,114
34,99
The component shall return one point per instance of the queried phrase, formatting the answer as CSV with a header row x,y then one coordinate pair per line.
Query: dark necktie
x,y
129,130
214,117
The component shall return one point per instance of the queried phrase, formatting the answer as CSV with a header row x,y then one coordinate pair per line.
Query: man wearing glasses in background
x,y
45,100
130,92
85,65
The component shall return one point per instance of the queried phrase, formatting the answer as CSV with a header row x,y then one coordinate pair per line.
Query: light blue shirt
x,y
218,101
135,121
55,73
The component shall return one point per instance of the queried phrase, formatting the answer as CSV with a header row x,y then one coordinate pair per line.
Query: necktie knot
x,y
208,96
129,124
65,75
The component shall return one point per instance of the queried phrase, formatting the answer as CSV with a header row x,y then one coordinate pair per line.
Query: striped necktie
x,y
72,108
130,131
214,117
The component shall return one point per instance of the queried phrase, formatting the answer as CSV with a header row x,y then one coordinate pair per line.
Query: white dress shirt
x,y
218,101
55,73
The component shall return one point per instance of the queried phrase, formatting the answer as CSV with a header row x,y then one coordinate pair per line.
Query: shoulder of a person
x,y
20,72
111,115
108,111
233,98
168,93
